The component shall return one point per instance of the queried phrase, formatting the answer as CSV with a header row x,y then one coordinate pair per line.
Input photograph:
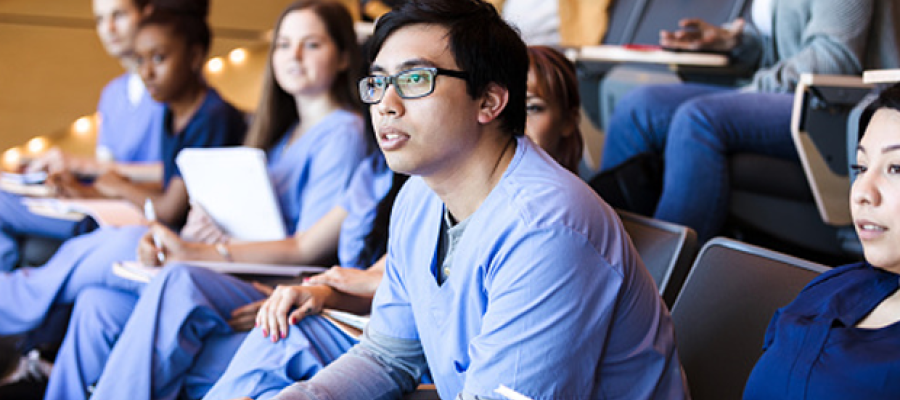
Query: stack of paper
x,y
26,184
137,271
105,212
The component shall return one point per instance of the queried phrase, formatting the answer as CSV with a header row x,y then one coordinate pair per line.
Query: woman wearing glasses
x,y
260,368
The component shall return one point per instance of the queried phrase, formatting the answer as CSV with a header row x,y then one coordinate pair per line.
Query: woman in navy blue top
x,y
170,49
840,338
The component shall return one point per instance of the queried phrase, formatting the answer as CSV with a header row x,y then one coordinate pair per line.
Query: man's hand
x,y
349,280
52,161
111,184
698,35
66,186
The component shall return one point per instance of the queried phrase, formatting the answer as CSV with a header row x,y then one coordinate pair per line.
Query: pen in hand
x,y
150,215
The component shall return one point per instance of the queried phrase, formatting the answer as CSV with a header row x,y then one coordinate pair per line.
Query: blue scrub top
x,y
546,293
369,185
814,351
130,132
215,124
311,174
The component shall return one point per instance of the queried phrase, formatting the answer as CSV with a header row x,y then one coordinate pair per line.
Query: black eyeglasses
x,y
410,84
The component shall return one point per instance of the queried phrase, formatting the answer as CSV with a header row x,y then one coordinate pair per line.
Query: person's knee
x,y
180,283
101,308
180,273
699,121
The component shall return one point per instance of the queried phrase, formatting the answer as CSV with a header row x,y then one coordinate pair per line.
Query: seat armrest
x,y
881,76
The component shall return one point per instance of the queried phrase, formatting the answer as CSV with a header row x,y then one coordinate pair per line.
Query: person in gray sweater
x,y
694,128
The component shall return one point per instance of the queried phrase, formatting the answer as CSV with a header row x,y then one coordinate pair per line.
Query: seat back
x,y
667,250
771,204
665,14
623,16
639,21
724,307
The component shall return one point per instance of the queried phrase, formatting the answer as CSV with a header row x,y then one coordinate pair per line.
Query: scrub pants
x,y
17,221
179,339
27,294
261,369
99,315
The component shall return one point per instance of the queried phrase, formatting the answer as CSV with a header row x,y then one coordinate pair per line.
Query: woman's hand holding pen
x,y
170,245
276,316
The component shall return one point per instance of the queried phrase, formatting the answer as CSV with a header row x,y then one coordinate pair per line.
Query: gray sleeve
x,y
379,367
750,52
831,42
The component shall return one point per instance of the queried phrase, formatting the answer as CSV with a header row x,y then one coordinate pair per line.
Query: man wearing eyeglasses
x,y
502,268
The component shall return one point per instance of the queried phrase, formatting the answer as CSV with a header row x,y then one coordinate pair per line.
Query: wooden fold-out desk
x,y
881,76
645,54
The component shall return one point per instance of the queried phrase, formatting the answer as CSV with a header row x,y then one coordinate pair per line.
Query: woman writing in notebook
x,y
261,369
308,121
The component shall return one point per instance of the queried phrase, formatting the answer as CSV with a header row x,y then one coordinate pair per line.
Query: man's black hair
x,y
482,43
192,27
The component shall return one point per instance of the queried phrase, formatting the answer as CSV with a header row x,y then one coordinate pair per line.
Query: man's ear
x,y
493,102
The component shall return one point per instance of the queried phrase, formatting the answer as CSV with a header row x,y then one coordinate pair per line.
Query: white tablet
x,y
232,184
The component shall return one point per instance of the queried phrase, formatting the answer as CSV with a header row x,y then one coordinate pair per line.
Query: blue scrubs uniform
x,y
545,294
260,369
27,294
540,247
129,132
813,349
215,124
185,309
